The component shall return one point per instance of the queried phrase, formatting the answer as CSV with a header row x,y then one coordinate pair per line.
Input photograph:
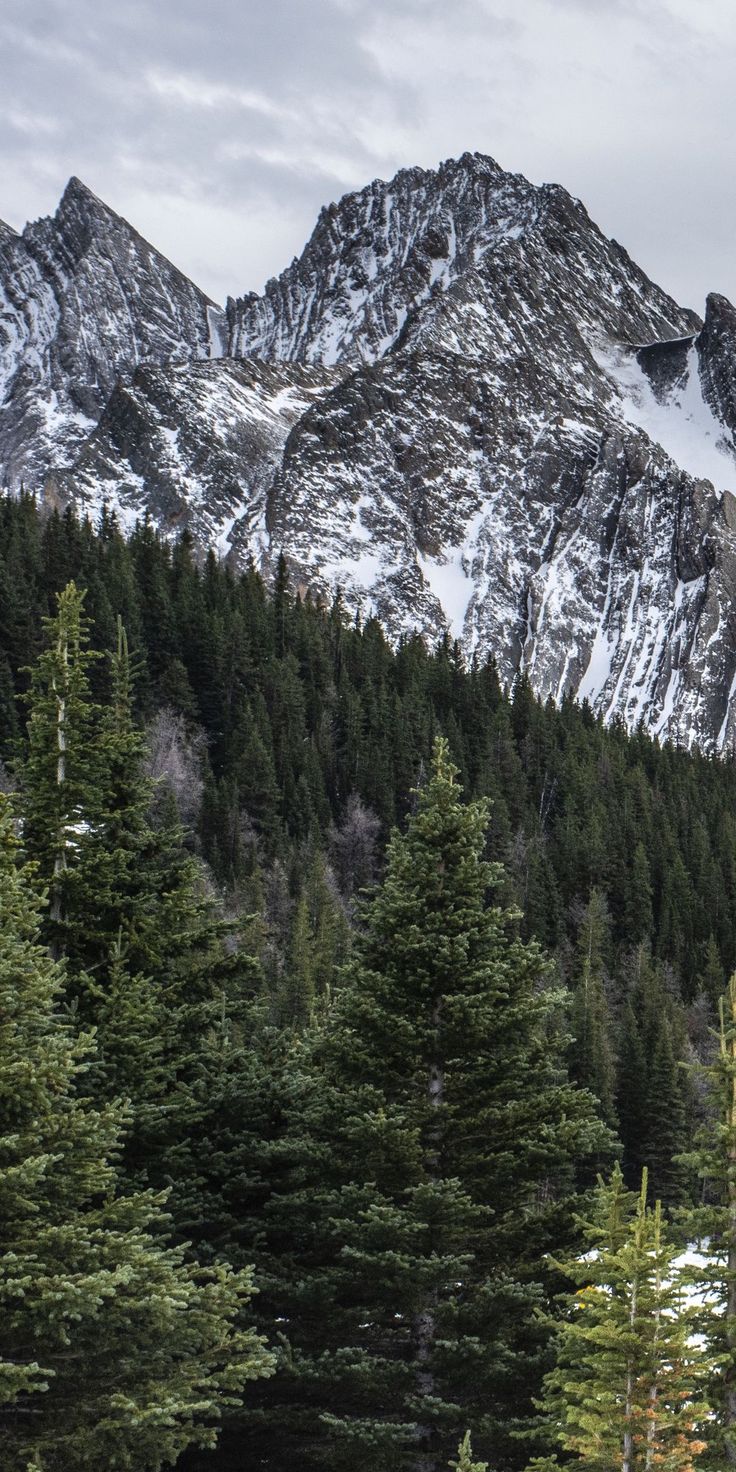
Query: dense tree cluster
x,y
268,1042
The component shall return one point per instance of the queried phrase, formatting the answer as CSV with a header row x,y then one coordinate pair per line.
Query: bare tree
x,y
353,846
174,762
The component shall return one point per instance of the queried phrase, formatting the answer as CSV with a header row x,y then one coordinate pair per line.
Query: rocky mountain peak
x,y
376,257
462,403
80,215
83,300
426,257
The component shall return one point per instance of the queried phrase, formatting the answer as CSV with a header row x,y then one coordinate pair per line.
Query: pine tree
x,y
638,898
150,962
464,1461
318,944
712,978
631,1093
592,1063
434,1139
664,1133
61,772
627,1391
652,1086
114,1352
713,1225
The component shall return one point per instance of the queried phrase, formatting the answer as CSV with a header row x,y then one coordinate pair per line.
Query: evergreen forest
x,y
367,1044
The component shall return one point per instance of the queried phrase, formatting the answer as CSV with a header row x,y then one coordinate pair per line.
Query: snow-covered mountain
x,y
462,404
83,299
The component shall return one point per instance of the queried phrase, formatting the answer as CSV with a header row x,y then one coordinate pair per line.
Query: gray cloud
x,y
220,132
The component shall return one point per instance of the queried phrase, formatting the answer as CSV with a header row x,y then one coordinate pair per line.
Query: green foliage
x,y
713,1224
628,1386
464,1461
654,1099
435,1140
61,770
114,1351
592,1062
389,1135
302,707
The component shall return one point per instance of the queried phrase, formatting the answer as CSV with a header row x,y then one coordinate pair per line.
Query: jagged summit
x,y
84,298
77,193
80,220
83,221
462,403
375,257
380,261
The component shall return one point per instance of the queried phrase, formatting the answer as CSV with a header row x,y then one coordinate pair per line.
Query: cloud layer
x,y
219,133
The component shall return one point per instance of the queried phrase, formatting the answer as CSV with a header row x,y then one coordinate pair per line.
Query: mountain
x,y
449,258
83,299
463,404
192,444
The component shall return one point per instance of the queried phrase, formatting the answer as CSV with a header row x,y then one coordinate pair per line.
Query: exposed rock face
x,y
467,258
83,298
462,404
192,444
716,346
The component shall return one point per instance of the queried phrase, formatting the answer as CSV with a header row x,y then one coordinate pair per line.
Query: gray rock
x,y
83,300
462,404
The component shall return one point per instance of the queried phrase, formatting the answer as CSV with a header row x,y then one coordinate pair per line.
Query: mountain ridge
x,y
461,403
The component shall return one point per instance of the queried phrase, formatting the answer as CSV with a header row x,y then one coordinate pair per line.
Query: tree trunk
x,y
60,863
654,1387
425,1321
628,1448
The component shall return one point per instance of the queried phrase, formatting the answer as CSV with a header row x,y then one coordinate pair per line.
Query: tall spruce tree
x,y
61,770
114,1351
592,1062
149,960
627,1392
434,1140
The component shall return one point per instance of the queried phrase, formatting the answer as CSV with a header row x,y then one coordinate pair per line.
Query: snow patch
x,y
684,425
450,581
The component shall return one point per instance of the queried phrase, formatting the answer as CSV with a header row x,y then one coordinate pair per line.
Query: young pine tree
x,y
464,1461
713,1224
147,959
114,1351
627,1391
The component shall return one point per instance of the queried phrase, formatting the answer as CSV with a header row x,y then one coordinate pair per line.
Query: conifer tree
x,y
149,962
61,771
631,1093
464,1461
592,1063
652,1086
664,1133
713,1224
638,898
434,1139
318,944
114,1352
712,978
627,1391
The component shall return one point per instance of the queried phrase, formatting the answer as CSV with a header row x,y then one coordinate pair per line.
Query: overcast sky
x,y
219,127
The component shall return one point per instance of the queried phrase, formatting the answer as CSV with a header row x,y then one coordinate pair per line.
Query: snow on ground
x,y
684,425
